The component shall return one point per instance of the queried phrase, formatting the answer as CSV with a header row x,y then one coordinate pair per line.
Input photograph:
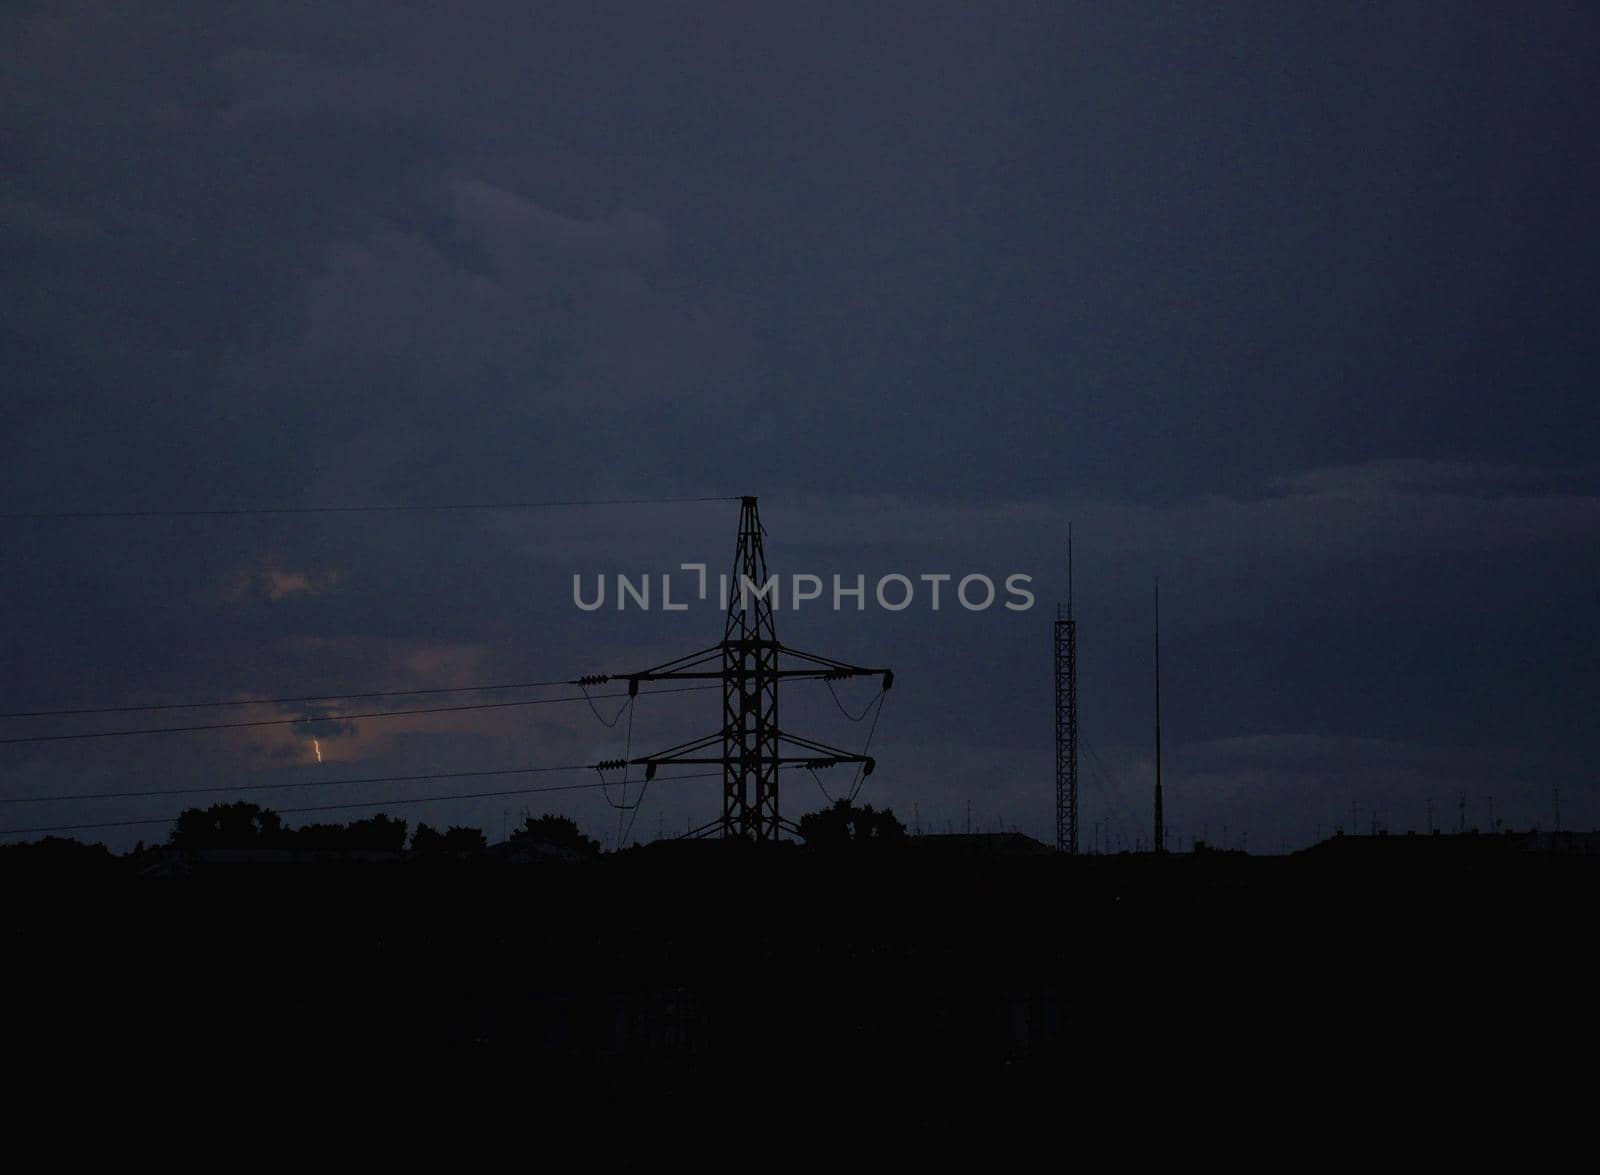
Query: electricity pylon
x,y
750,661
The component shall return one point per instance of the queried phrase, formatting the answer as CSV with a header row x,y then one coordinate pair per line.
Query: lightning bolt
x,y
317,747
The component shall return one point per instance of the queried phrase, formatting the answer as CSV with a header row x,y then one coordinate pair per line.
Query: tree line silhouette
x,y
250,826
246,827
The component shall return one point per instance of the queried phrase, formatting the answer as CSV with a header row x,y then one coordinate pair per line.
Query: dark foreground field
x,y
693,956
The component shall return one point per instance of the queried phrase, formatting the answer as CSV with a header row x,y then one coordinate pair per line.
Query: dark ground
x,y
695,956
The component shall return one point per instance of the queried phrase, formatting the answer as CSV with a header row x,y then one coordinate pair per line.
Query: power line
x,y
1110,784
198,791
861,768
212,705
822,787
842,710
395,803
91,515
610,723
49,738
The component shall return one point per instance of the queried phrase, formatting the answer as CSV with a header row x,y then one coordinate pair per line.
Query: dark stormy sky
x,y
1296,308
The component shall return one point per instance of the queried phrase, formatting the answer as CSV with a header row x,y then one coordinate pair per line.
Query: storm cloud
x,y
1295,309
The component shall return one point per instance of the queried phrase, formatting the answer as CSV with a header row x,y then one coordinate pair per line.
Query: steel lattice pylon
x,y
1066,735
750,692
1067,721
750,662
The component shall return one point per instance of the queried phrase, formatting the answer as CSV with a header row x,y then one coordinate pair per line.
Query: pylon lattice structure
x,y
1066,736
1067,722
750,662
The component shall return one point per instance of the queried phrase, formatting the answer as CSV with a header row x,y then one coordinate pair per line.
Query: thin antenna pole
x,y
1160,843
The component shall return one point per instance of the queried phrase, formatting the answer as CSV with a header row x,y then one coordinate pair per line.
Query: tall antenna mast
x,y
1067,721
1160,842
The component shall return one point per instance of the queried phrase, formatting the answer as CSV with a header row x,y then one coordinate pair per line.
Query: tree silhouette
x,y
427,840
380,833
844,824
226,826
557,832
56,853
248,826
456,840
316,836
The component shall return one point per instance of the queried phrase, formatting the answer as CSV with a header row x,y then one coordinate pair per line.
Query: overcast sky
x,y
1296,310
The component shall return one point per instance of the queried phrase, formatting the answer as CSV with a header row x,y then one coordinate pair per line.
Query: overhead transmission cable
x,y
861,768
84,711
291,784
610,723
842,710
252,511
47,738
1111,785
386,803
